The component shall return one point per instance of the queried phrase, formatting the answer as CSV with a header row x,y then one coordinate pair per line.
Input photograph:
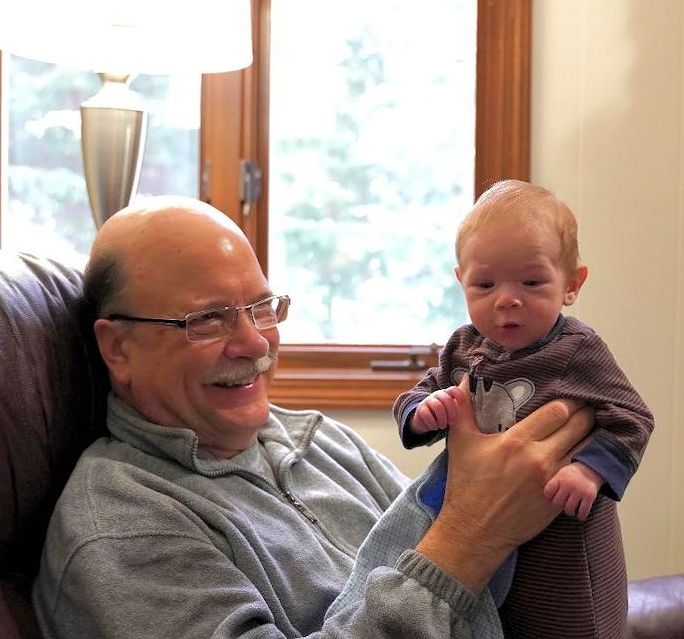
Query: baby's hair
x,y
528,204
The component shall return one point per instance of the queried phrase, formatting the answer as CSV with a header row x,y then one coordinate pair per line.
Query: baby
x,y
518,264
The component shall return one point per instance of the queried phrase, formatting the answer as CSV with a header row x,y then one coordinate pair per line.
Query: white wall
x,y
607,134
607,113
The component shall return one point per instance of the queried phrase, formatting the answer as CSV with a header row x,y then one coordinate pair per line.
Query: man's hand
x,y
574,488
494,499
437,411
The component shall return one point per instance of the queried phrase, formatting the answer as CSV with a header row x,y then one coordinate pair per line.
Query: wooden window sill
x,y
363,377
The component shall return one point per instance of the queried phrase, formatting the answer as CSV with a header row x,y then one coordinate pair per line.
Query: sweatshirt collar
x,y
285,433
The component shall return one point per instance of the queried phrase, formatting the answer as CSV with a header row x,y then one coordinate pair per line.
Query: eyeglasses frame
x,y
183,323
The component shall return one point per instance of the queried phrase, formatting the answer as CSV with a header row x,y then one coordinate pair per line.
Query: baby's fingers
x,y
584,508
551,488
571,505
423,419
560,496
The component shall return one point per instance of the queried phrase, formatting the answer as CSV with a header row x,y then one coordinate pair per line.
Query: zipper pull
x,y
300,506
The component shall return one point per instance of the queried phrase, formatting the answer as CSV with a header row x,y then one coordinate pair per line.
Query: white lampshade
x,y
131,36
120,39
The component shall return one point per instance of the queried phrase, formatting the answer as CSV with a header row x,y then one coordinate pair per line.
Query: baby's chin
x,y
512,337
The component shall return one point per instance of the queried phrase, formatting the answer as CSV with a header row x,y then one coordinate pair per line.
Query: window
x,y
359,374
237,124
371,160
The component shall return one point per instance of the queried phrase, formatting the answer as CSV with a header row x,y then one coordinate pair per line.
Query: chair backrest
x,y
53,389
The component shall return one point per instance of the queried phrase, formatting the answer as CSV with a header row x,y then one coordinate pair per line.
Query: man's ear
x,y
110,340
575,284
457,271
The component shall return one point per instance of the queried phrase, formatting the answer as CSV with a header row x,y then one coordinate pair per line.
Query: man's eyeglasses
x,y
213,323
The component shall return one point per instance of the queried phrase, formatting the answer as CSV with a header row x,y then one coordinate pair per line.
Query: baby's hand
x,y
574,488
437,411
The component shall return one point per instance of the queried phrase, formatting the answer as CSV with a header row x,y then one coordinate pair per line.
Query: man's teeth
x,y
233,384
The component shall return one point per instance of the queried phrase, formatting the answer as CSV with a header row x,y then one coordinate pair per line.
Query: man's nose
x,y
245,339
507,297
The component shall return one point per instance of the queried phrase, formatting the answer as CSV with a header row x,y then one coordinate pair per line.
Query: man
x,y
209,513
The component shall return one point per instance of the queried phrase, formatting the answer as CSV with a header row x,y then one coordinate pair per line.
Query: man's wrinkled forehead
x,y
184,257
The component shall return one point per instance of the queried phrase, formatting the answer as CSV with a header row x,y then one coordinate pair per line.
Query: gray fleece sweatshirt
x,y
149,539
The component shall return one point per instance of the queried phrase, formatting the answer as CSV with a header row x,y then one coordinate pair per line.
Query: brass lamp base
x,y
113,131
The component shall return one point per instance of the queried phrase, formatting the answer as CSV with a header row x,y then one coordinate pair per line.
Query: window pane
x,y
48,211
371,166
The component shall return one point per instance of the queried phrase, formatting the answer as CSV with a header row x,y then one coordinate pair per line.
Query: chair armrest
x,y
656,608
17,619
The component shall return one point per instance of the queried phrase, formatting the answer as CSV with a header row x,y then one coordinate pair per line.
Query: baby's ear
x,y
575,284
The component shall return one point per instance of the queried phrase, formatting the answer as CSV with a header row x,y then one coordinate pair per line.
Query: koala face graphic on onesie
x,y
496,404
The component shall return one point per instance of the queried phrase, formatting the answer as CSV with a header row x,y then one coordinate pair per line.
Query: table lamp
x,y
120,40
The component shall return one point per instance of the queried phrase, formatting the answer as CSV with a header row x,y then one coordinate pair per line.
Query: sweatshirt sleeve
x,y
623,421
391,578
139,577
416,599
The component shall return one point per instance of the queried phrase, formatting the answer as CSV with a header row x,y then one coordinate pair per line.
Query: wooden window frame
x,y
235,125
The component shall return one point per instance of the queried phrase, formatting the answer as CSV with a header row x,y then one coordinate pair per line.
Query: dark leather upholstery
x,y
656,608
53,389
52,401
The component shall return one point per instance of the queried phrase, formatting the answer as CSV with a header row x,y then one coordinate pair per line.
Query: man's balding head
x,y
145,235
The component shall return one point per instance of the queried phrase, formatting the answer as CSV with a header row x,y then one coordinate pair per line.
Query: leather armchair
x,y
52,401
53,389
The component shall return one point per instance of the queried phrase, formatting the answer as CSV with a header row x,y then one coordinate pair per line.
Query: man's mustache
x,y
243,371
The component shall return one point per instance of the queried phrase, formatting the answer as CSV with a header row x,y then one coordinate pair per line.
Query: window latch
x,y
250,184
414,362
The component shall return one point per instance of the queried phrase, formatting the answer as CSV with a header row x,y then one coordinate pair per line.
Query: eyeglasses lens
x,y
211,324
266,313
220,322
